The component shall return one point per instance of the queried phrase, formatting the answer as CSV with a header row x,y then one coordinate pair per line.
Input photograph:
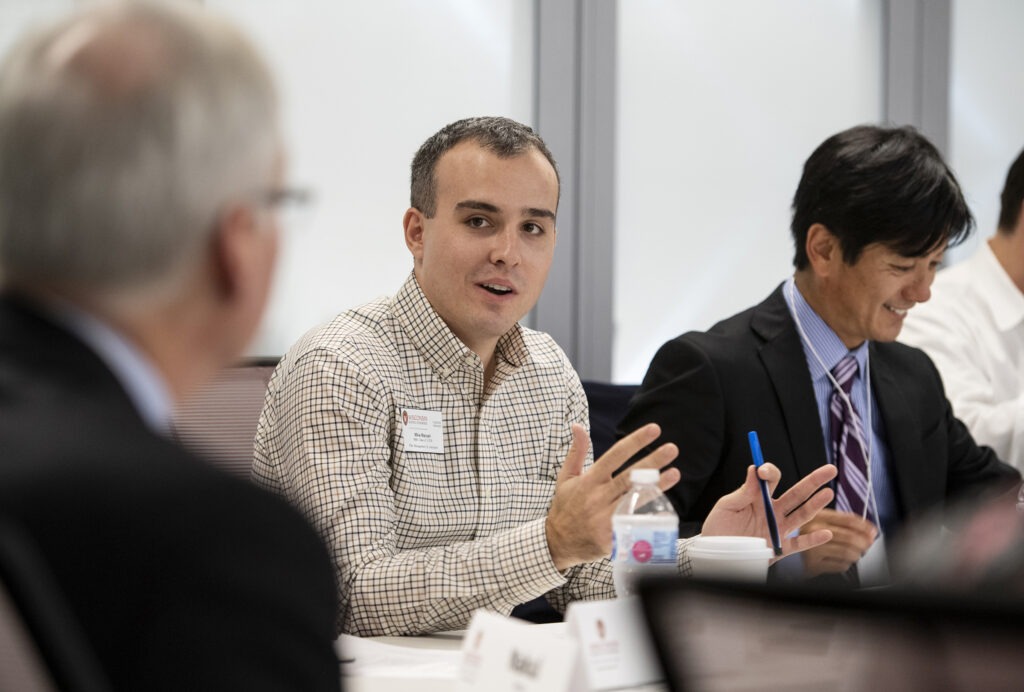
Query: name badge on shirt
x,y
422,431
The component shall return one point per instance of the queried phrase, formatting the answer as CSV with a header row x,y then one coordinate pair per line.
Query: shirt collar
x,y
437,343
136,373
998,290
824,340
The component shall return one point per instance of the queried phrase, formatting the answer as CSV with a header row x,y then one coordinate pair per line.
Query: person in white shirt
x,y
973,328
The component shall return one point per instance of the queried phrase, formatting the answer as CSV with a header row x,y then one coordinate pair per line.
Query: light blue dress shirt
x,y
831,349
136,373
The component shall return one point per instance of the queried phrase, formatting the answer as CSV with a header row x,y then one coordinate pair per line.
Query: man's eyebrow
x,y
479,206
488,207
533,211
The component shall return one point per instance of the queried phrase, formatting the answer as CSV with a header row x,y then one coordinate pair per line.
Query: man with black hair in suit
x,y
814,368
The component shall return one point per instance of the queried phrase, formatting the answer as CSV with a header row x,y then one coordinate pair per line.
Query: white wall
x,y
365,83
719,104
987,105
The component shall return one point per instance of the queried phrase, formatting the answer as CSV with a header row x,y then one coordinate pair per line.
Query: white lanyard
x,y
865,446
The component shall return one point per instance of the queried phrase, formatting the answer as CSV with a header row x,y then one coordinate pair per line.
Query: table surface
x,y
440,641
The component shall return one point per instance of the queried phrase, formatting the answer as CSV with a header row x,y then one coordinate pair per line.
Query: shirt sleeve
x,y
324,441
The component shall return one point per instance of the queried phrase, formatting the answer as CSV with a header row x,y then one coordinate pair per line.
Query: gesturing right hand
x,y
852,535
579,523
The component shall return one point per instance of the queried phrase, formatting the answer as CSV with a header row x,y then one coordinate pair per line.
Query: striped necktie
x,y
849,443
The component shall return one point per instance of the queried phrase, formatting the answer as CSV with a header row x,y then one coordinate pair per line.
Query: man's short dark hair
x,y
882,185
502,136
1012,197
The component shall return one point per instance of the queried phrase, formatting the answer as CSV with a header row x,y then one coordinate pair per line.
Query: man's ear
x,y
823,250
232,250
413,223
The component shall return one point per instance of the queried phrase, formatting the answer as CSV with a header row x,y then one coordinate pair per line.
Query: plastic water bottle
x,y
645,529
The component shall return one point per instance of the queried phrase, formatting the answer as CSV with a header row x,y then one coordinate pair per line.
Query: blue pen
x,y
773,527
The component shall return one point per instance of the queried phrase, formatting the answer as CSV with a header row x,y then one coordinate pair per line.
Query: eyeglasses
x,y
293,205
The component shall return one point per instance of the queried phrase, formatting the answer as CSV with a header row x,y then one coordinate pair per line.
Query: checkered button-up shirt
x,y
422,539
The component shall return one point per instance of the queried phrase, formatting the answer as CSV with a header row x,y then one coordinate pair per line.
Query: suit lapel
x,y
902,430
783,358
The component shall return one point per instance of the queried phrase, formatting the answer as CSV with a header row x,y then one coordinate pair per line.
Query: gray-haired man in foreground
x,y
140,167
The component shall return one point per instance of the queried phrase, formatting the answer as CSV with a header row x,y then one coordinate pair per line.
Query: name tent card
x,y
503,654
615,647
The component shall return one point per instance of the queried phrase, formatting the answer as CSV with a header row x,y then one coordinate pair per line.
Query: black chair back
x,y
608,404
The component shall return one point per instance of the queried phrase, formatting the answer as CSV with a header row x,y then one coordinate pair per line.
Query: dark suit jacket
x,y
708,390
182,577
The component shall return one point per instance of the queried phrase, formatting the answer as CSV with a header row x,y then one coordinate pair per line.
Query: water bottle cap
x,y
644,476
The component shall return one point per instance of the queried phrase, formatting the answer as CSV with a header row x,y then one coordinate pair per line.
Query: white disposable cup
x,y
739,558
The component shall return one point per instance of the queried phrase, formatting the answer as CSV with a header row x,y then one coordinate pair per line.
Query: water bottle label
x,y
643,546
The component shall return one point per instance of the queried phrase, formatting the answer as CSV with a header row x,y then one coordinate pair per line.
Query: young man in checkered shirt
x,y
441,448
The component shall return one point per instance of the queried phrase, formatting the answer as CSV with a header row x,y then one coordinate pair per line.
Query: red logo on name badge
x,y
642,551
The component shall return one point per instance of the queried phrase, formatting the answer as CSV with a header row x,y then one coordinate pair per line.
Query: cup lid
x,y
741,547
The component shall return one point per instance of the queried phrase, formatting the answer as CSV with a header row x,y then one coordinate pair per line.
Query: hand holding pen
x,y
742,512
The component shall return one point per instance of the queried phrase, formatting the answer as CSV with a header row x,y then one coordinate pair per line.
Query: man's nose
x,y
507,247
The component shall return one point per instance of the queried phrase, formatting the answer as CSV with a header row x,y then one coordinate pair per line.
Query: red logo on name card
x,y
642,551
